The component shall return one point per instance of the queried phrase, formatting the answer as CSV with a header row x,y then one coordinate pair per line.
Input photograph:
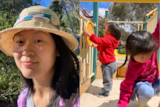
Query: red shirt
x,y
106,46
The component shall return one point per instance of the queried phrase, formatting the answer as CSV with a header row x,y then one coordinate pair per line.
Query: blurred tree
x,y
124,34
130,12
57,7
72,7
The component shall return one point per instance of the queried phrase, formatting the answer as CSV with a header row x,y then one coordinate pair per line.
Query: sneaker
x,y
140,105
102,95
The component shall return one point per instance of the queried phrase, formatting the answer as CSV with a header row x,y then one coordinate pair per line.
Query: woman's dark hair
x,y
115,30
66,77
139,42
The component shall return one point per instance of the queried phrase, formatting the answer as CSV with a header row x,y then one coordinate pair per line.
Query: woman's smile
x,y
28,63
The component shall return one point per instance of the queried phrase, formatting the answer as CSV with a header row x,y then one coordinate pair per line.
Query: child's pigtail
x,y
125,60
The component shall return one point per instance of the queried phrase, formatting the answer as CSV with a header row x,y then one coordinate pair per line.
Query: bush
x,y
122,51
10,80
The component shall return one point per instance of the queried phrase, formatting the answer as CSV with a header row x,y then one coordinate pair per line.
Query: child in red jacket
x,y
106,46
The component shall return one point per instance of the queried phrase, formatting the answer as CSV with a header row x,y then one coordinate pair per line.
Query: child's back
x,y
106,46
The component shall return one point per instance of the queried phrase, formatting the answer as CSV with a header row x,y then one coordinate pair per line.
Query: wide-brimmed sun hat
x,y
35,18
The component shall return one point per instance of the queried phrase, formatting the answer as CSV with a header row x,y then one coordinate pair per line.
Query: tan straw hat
x,y
35,18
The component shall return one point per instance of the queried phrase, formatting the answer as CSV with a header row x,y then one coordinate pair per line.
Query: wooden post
x,y
142,26
81,27
84,56
138,27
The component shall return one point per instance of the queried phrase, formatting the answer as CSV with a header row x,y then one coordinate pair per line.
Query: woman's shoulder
x,y
22,98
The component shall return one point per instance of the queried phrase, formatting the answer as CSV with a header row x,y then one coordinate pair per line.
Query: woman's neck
x,y
42,89
42,84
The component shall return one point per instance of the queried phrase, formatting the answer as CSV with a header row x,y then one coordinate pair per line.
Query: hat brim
x,y
6,38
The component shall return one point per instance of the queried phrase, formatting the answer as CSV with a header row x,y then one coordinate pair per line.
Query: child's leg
x,y
144,92
156,87
108,70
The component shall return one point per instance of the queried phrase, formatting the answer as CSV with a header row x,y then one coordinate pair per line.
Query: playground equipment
x,y
152,12
153,17
89,26
150,19
86,54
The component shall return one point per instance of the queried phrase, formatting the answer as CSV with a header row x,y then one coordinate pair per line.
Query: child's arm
x,y
98,47
126,88
94,45
156,33
98,40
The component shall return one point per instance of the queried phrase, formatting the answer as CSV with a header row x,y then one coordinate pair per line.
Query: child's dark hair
x,y
115,30
139,42
65,81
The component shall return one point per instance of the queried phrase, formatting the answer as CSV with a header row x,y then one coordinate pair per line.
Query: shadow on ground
x,y
113,103
94,90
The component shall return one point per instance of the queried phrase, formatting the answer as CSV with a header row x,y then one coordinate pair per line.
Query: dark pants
x,y
108,70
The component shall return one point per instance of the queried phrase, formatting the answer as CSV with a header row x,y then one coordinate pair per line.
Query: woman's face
x,y
142,58
34,53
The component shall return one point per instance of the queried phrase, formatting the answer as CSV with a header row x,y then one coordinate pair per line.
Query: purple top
x,y
23,96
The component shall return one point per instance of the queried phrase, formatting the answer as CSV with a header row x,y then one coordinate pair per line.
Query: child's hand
x,y
94,45
86,32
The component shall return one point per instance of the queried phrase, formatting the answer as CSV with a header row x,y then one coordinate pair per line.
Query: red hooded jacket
x,y
106,46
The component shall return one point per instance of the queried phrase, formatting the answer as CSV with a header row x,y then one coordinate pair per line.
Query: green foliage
x,y
7,20
74,22
122,51
14,7
10,84
10,77
100,32
130,12
57,7
72,7
124,34
101,23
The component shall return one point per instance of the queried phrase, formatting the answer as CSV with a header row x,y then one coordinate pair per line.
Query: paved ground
x,y
89,98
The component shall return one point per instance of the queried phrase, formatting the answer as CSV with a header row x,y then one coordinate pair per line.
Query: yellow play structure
x,y
90,28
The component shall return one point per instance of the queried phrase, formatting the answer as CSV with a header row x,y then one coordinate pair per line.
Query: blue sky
x,y
89,5
86,5
103,6
45,3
